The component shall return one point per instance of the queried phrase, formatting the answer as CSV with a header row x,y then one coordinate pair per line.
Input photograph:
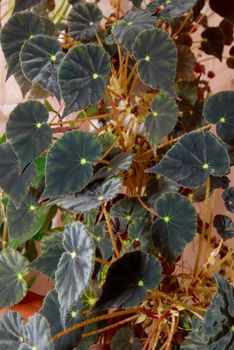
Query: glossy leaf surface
x,y
83,20
69,163
170,9
175,226
86,67
156,55
28,132
128,280
162,119
13,268
14,183
219,110
40,59
192,159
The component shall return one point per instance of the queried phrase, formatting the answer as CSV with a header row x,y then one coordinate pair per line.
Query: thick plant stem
x,y
219,263
211,224
230,261
202,235
109,227
105,329
95,319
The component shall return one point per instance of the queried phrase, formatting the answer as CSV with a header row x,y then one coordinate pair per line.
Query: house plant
x,y
126,190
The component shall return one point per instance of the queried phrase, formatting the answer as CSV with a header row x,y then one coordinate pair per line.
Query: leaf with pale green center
x,y
14,183
52,250
40,59
133,23
90,198
69,163
125,339
162,119
193,159
83,76
51,311
128,280
26,221
37,334
13,268
20,26
170,8
176,225
83,21
75,265
156,55
11,330
219,110
28,132
128,209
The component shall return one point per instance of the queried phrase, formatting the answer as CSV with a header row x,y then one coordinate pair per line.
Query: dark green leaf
x,y
224,8
40,59
51,311
156,55
175,226
187,91
14,183
170,8
133,23
21,27
227,28
140,235
162,119
228,197
185,63
69,163
75,265
37,334
193,159
52,250
213,42
11,330
24,84
83,21
125,339
219,110
128,280
28,132
13,268
121,162
24,222
127,209
86,67
102,241
224,226
219,318
136,3
21,5
90,198
157,186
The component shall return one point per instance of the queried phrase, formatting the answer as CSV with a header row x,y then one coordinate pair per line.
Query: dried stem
x,y
202,235
96,319
109,227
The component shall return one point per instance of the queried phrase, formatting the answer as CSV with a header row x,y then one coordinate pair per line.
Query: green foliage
x,y
102,201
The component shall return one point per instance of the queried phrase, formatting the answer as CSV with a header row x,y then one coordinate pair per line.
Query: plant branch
x,y
95,319
202,235
109,227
